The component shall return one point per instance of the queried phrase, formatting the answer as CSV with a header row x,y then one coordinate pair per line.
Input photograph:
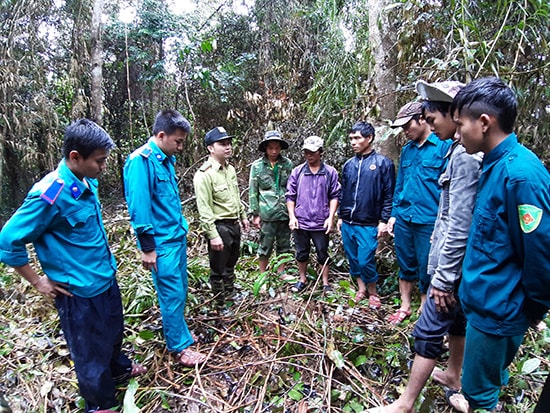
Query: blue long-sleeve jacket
x,y
506,269
61,217
368,183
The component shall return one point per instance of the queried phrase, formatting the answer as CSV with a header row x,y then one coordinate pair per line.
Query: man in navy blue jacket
x,y
368,181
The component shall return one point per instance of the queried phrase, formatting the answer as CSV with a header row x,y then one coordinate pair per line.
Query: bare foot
x,y
444,379
395,407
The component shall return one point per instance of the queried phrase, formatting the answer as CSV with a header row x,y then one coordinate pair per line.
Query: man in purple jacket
x,y
312,194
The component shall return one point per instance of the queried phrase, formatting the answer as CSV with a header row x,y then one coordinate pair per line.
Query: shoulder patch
x,y
205,166
52,192
146,152
530,217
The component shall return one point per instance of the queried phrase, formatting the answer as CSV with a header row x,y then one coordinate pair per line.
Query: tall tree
x,y
96,53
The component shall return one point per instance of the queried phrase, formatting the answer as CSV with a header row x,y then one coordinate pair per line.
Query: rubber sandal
x,y
137,370
374,302
360,295
327,289
190,358
299,286
398,317
457,401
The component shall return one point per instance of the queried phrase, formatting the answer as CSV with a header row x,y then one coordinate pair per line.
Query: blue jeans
x,y
360,243
93,330
171,284
412,248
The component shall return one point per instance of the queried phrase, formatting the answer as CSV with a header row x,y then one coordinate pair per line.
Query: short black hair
x,y
365,128
85,136
168,121
435,106
488,95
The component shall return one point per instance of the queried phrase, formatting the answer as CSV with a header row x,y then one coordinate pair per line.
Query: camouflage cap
x,y
406,113
439,91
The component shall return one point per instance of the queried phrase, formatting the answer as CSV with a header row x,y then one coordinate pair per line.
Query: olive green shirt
x,y
217,194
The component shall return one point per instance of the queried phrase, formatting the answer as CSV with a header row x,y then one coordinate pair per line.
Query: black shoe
x,y
327,289
299,286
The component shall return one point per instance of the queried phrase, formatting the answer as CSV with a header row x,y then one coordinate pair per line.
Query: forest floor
x,y
271,351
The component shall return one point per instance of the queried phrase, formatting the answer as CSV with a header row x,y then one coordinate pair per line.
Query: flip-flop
x,y
190,358
456,400
374,302
360,295
299,286
398,317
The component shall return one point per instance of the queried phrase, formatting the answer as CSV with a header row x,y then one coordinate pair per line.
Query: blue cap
x,y
215,135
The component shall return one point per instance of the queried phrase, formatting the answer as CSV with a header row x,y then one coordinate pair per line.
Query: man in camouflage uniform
x,y
268,178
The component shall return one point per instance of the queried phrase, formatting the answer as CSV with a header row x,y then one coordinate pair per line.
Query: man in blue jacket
x,y
506,270
415,202
368,181
61,217
154,205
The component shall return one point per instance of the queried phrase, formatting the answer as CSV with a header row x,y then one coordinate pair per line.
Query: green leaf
x,y
146,334
335,355
129,397
530,366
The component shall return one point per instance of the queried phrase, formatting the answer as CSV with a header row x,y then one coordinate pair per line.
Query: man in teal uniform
x,y
154,204
267,187
415,202
61,217
506,270
220,212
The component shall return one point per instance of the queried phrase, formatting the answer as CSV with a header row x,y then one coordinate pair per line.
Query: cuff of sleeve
x,y
442,285
211,234
147,242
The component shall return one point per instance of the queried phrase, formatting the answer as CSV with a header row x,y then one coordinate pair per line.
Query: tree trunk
x,y
96,54
384,54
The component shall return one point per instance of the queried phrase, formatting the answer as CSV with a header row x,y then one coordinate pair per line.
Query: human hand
x,y
246,225
149,260
391,223
217,244
339,225
293,224
49,288
382,229
443,300
257,221
328,224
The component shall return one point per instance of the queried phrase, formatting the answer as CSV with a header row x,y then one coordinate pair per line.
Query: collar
x,y
432,138
365,156
158,154
216,166
499,151
76,186
320,171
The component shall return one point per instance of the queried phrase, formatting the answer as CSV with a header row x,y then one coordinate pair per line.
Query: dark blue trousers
x,y
93,330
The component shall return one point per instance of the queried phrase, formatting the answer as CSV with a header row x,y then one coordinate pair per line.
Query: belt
x,y
227,221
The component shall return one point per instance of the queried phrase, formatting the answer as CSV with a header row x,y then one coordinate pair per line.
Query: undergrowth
x,y
271,351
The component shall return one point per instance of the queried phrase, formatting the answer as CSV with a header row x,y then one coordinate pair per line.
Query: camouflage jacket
x,y
268,187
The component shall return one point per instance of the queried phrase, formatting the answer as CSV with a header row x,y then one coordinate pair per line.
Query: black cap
x,y
215,135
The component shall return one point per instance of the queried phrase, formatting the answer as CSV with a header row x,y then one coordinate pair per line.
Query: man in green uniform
x,y
220,212
268,178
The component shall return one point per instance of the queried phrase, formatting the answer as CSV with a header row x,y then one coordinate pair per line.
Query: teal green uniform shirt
x,y
61,217
417,189
506,270
267,188
152,195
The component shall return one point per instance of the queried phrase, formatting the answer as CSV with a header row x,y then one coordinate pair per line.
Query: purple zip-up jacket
x,y
312,194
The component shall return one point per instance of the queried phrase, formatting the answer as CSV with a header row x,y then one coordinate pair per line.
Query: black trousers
x,y
222,263
93,330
